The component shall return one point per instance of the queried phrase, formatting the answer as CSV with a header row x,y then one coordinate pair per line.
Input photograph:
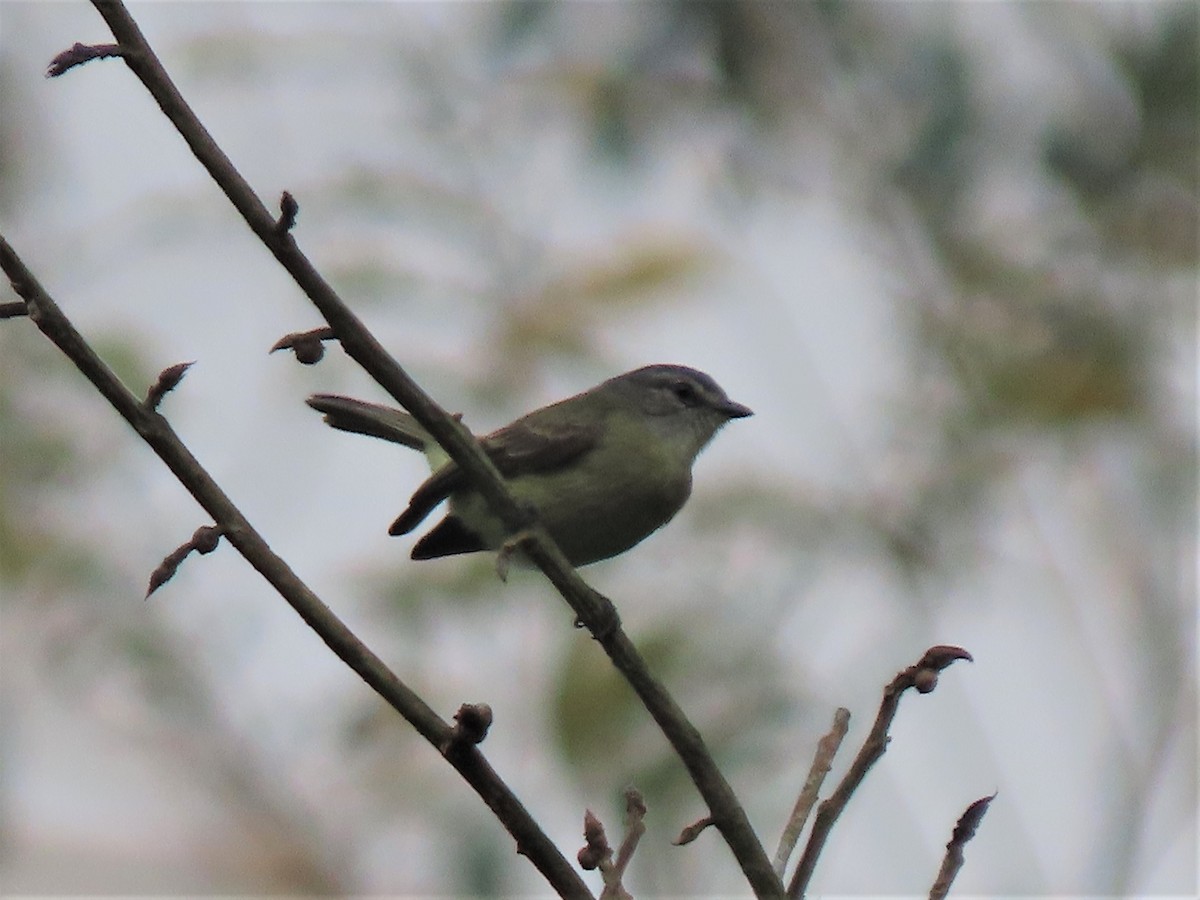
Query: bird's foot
x,y
508,550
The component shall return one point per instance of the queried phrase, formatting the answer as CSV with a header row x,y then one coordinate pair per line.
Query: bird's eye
x,y
685,392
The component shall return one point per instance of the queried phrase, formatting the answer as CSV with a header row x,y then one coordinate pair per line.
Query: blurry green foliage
x,y
560,315
519,19
1146,200
1165,73
596,715
935,85
129,360
35,451
1028,352
605,734
413,594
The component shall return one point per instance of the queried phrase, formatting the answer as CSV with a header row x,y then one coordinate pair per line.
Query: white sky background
x,y
796,318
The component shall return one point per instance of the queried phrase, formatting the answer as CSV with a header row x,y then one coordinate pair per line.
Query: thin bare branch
x,y
157,432
922,676
591,608
827,748
635,827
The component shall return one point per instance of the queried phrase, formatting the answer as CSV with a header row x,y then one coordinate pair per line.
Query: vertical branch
x,y
827,748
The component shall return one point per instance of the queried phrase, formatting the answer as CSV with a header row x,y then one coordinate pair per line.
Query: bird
x,y
604,469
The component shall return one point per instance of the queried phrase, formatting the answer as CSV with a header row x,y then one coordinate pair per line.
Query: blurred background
x,y
947,252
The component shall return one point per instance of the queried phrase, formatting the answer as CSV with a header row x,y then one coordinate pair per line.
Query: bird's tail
x,y
348,414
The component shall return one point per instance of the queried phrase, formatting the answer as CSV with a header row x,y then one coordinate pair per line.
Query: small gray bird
x,y
604,469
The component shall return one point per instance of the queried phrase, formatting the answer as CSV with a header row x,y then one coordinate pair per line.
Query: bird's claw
x,y
509,549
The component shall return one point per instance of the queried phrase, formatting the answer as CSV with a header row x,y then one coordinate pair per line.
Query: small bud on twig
x,y
924,675
693,831
964,830
204,540
167,381
596,850
925,680
288,207
597,854
471,724
306,344
79,54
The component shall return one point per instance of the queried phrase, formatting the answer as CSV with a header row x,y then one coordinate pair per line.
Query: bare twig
x,y
155,431
827,748
693,831
922,676
964,830
78,54
635,827
168,380
591,608
204,540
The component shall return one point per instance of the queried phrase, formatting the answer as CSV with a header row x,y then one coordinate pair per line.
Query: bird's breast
x,y
610,501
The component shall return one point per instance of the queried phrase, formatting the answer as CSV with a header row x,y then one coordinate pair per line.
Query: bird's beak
x,y
735,410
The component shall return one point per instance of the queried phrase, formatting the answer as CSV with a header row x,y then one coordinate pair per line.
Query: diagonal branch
x,y
592,609
155,431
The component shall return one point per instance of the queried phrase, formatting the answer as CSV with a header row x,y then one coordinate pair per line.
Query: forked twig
x,y
923,676
597,854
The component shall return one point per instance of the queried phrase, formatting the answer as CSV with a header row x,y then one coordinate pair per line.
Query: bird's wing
x,y
532,444
528,445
